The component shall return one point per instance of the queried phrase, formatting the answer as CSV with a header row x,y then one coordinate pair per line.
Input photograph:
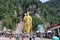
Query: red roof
x,y
53,26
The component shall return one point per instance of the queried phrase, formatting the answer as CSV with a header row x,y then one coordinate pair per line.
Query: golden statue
x,y
27,23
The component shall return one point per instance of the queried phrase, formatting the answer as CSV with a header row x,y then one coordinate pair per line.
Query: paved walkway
x,y
38,39
2,38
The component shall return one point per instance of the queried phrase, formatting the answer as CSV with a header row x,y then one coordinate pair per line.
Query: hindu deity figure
x,y
27,23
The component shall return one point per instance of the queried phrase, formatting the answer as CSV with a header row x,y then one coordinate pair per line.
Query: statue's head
x,y
28,13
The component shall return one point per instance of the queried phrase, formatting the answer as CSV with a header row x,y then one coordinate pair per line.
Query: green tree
x,y
7,12
35,22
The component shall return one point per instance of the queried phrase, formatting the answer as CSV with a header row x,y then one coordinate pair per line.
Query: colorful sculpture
x,y
27,23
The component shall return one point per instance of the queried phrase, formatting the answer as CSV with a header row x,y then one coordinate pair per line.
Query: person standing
x,y
11,36
30,38
22,37
33,37
17,37
55,37
59,35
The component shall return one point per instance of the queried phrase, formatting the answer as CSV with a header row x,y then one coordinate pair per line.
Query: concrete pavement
x,y
3,38
38,39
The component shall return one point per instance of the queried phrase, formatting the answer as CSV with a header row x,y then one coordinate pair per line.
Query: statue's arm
x,y
31,19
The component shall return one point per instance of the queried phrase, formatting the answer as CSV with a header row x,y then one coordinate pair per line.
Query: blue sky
x,y
44,0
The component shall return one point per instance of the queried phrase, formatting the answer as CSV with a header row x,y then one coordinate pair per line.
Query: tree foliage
x,y
7,12
12,10
35,22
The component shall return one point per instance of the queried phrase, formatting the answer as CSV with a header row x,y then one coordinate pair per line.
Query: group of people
x,y
54,37
32,37
21,37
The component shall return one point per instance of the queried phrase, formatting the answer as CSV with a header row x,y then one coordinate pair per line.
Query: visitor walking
x,y
30,38
22,37
11,36
17,37
55,37
33,37
59,35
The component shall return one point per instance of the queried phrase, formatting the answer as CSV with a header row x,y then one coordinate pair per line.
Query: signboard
x,y
40,28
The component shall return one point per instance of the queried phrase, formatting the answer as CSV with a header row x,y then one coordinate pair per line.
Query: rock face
x,y
19,27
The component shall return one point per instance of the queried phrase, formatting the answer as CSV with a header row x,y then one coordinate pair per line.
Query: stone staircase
x,y
19,27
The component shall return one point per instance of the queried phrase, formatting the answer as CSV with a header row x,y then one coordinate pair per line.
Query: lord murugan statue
x,y
27,23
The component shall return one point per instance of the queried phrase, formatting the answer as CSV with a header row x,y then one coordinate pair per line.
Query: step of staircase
x,y
19,27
